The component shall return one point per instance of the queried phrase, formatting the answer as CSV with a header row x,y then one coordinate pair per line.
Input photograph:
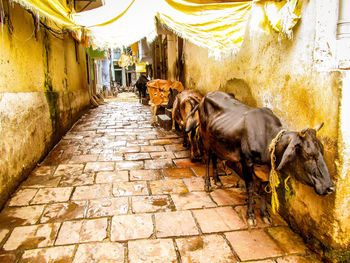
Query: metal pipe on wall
x,y
343,27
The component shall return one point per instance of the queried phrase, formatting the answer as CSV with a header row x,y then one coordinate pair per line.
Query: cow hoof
x,y
219,185
251,221
267,220
207,188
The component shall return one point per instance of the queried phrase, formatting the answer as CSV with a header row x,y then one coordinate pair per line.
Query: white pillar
x,y
123,77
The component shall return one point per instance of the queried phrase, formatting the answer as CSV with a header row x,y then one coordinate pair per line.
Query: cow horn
x,y
303,132
319,127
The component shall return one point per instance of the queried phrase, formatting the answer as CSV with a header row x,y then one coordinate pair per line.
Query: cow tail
x,y
190,127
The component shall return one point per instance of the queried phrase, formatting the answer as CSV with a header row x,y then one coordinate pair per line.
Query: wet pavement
x,y
116,189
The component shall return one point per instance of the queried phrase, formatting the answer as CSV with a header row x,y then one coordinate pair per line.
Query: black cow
x,y
141,86
241,135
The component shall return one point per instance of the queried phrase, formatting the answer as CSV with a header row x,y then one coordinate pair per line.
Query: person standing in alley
x,y
141,85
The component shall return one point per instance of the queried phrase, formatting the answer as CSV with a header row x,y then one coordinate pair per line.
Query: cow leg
x,y
173,112
263,207
249,183
215,170
173,128
186,141
207,174
153,114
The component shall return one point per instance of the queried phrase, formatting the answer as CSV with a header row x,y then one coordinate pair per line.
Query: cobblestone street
x,y
116,189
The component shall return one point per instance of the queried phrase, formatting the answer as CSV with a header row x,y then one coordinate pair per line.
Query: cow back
x,y
158,90
237,128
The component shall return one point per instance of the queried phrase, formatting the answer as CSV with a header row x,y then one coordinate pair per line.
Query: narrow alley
x,y
116,189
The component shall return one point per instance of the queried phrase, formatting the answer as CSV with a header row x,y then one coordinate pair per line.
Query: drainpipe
x,y
343,34
343,30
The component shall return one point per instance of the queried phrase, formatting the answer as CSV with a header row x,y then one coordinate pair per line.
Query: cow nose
x,y
330,189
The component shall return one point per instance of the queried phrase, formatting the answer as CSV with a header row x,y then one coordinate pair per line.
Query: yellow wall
x,y
172,57
43,88
281,75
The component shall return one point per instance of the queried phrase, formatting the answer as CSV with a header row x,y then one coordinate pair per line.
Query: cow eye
x,y
307,154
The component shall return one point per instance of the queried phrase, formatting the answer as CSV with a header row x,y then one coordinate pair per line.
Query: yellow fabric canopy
x,y
52,9
218,26
283,15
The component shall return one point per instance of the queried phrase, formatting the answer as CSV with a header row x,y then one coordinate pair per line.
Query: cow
x,y
185,102
159,90
242,135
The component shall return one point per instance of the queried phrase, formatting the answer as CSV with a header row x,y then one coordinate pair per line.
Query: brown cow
x,y
159,90
241,134
183,105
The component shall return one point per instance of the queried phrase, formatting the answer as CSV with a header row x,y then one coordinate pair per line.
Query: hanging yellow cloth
x,y
220,27
52,9
283,15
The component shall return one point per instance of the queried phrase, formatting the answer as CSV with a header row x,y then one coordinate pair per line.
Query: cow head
x,y
171,97
195,142
192,129
303,155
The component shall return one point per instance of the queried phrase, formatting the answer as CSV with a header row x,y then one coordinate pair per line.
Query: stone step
x,y
168,113
164,121
160,110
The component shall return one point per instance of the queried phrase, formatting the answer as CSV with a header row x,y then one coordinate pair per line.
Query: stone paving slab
x,y
153,250
192,200
53,254
100,252
179,223
60,212
107,207
204,249
117,189
243,242
28,237
130,227
170,186
218,220
112,177
138,175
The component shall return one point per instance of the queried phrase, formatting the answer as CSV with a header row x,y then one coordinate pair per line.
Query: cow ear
x,y
289,153
319,127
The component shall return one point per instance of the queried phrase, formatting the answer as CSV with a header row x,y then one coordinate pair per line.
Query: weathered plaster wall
x,y
172,57
284,76
43,89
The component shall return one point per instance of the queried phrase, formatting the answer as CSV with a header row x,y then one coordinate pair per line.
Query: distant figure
x,y
141,86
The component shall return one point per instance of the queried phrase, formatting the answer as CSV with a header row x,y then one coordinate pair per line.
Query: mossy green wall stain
x,y
52,102
51,96
48,82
